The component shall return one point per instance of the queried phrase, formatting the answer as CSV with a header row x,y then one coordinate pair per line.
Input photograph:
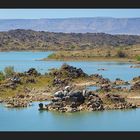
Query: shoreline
x,y
26,50
80,59
101,59
67,88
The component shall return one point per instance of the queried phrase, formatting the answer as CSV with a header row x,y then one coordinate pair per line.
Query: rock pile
x,y
93,102
61,82
68,71
135,83
32,72
99,79
136,86
106,87
136,79
18,101
69,100
117,102
118,81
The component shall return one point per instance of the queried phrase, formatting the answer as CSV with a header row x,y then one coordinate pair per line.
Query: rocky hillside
x,y
39,40
76,25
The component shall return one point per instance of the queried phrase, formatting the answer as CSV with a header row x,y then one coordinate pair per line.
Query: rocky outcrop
x,y
68,71
136,86
113,101
136,79
118,81
19,101
32,72
99,79
106,87
80,100
135,83
64,75
93,102
61,82
25,99
135,66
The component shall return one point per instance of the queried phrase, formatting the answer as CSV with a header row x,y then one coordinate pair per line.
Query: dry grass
x,y
98,54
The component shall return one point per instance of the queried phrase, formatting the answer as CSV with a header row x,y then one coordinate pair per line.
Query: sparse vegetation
x,y
2,76
138,58
9,71
97,54
121,54
108,54
36,40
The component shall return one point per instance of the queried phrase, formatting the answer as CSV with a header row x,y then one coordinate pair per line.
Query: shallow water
x,y
22,61
30,119
125,86
94,88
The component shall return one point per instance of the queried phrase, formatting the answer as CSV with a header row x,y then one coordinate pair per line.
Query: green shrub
x,y
51,55
2,77
9,71
138,58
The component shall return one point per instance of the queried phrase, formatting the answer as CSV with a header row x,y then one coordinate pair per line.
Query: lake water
x,y
22,61
30,119
94,88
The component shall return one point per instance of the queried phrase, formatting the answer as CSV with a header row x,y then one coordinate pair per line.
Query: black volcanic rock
x,y
38,40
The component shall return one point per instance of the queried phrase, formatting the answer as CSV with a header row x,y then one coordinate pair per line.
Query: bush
x,y
121,54
138,58
9,71
2,77
108,54
51,55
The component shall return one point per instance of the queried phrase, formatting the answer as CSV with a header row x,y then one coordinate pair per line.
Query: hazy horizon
x,y
69,18
67,13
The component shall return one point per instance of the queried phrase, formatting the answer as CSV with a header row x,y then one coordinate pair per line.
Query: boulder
x,y
67,88
87,93
59,94
76,96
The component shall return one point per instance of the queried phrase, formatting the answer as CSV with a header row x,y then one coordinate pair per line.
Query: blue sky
x,y
66,13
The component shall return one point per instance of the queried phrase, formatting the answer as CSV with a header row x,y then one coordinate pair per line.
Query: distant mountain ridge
x,y
76,25
21,39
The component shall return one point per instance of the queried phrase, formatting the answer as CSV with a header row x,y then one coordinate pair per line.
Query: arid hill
x,y
39,40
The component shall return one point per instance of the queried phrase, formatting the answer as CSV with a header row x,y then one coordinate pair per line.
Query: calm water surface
x,y
30,119
22,61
